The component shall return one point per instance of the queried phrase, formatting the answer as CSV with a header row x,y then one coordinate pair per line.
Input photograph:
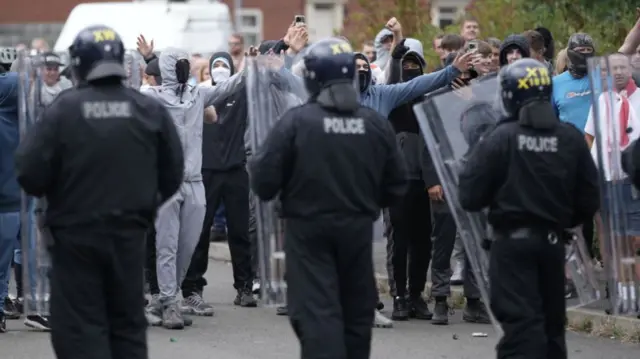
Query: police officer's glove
x,y
400,50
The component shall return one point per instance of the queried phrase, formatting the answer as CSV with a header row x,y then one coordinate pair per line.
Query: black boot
x,y
245,298
400,309
440,312
419,308
476,312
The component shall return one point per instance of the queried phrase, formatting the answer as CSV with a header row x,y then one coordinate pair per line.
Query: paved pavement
x,y
239,333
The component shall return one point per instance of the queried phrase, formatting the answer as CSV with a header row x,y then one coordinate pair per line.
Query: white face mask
x,y
220,74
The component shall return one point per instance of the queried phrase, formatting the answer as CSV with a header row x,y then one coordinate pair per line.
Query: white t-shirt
x,y
609,128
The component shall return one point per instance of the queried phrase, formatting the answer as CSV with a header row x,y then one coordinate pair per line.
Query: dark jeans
x,y
411,221
97,295
232,189
527,294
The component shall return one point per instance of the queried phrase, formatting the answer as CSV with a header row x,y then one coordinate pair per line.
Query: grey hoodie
x,y
382,55
188,113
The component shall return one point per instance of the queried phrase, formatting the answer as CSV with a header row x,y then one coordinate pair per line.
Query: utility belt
x,y
552,235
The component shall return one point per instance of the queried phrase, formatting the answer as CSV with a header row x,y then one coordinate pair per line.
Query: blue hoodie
x,y
9,139
384,98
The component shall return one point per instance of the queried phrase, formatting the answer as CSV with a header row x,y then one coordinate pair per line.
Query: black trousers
x,y
231,188
527,294
411,221
331,289
150,271
443,240
97,293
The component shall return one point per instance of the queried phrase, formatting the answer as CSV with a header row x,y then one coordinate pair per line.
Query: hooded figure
x,y
410,218
509,47
179,220
383,55
384,98
220,67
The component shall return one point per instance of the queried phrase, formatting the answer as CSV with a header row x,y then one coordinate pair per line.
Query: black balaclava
x,y
578,66
364,76
408,75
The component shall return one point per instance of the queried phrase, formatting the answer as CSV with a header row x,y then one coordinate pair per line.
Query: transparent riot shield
x,y
614,122
449,121
271,91
133,65
35,258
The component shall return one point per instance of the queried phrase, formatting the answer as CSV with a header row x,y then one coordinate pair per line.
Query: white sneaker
x,y
456,277
380,321
255,288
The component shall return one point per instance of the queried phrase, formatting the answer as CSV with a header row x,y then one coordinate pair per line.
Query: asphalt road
x,y
239,333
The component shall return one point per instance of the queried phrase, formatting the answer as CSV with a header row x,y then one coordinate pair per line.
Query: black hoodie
x,y
223,147
405,124
514,41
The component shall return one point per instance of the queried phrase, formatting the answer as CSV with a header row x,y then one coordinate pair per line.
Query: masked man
x,y
179,221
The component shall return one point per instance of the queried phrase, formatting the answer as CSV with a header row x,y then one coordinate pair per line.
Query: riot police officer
x,y
105,157
537,177
334,164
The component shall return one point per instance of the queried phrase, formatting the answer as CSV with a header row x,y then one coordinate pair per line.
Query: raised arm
x,y
632,41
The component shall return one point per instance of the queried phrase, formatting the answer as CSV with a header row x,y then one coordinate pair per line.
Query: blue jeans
x,y
220,220
9,227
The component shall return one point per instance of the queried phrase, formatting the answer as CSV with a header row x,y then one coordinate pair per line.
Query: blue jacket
x,y
384,98
9,139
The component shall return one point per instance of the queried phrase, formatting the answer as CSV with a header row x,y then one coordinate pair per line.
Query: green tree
x,y
414,15
607,21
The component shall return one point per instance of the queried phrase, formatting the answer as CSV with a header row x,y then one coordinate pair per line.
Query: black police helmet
x,y
97,52
329,62
522,82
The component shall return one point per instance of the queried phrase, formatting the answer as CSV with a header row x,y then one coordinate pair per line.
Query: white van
x,y
198,28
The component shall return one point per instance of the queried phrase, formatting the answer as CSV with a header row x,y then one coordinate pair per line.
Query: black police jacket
x,y
101,151
327,164
529,177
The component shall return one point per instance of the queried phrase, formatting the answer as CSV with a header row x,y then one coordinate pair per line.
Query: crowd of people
x,y
215,202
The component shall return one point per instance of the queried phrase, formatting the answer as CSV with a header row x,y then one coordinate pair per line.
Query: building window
x,y
446,16
324,6
445,22
250,25
448,10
